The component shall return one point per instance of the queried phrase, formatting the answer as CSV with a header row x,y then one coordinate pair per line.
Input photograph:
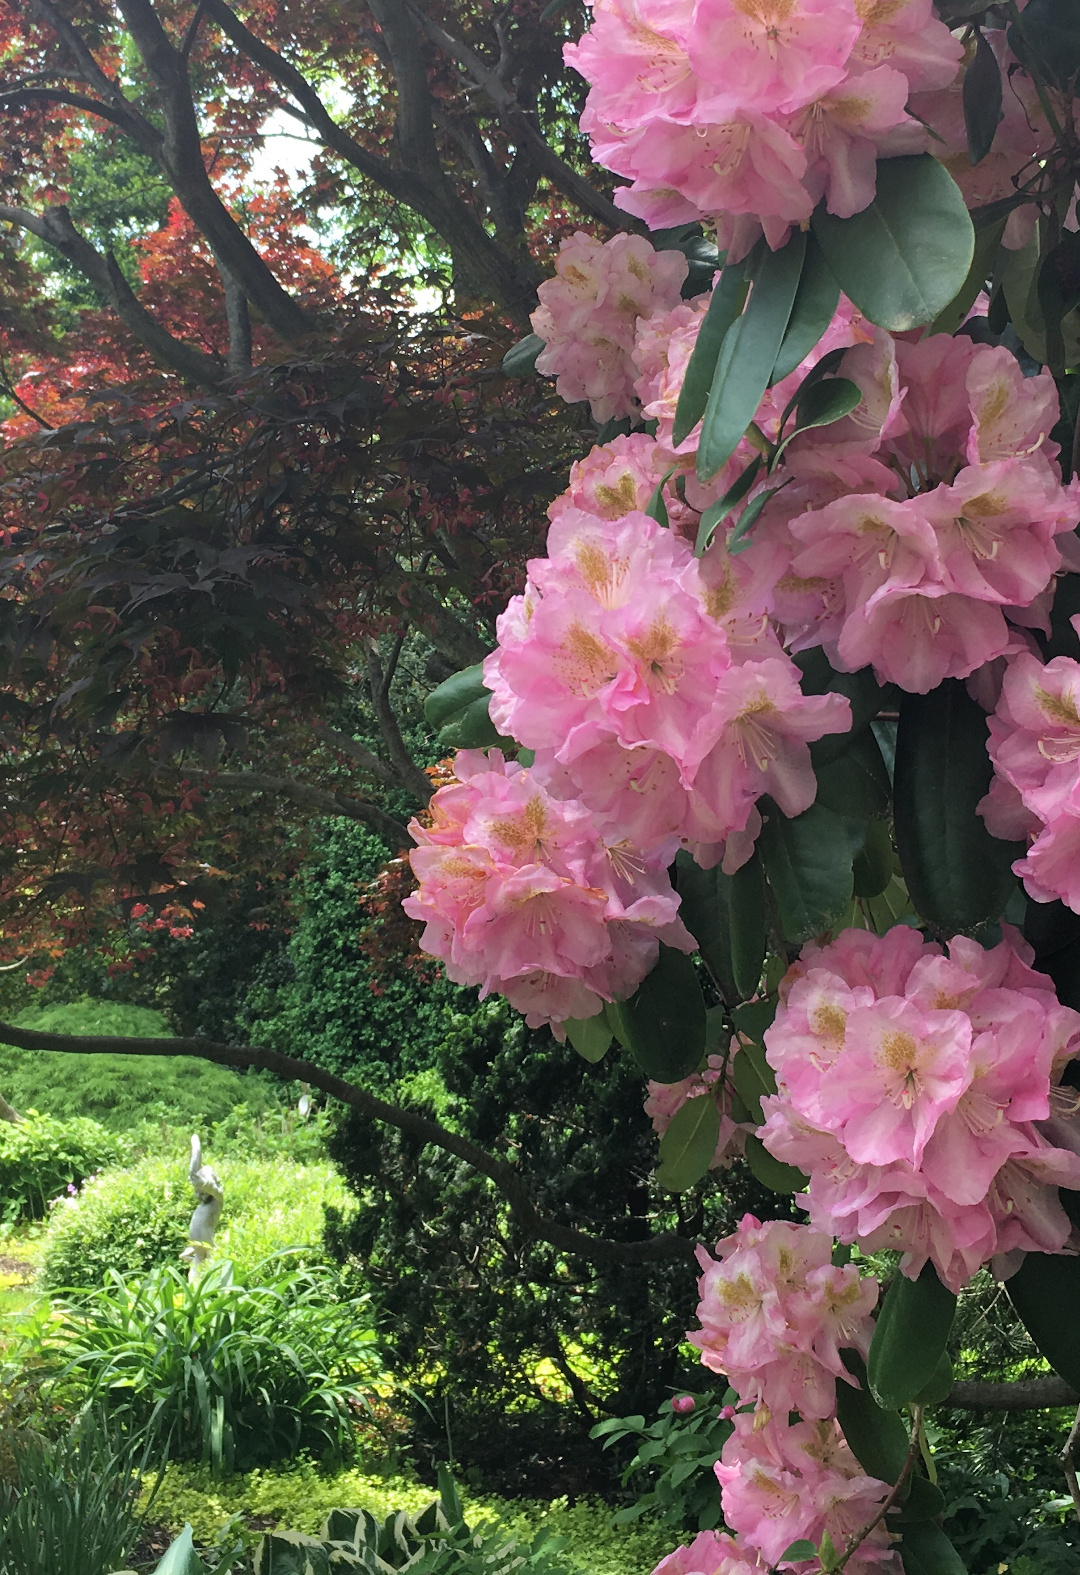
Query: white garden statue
x,y
210,1195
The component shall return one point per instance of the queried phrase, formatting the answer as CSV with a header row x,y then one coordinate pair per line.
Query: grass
x,y
299,1498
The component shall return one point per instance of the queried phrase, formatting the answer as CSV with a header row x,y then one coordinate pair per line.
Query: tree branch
x,y
494,84
311,797
239,320
180,155
56,229
408,771
1022,1394
136,124
92,106
507,1179
368,762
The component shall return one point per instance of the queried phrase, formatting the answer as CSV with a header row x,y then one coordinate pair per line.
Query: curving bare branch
x,y
509,1181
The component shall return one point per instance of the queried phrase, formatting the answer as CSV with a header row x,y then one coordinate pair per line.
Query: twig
x,y
894,1494
1068,1463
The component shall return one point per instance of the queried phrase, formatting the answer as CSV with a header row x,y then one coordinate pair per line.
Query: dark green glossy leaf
x,y
726,914
926,1550
688,1145
663,1023
924,1500
827,401
987,243
471,728
941,1381
738,541
796,1551
725,305
861,690
656,508
748,355
1045,1291
878,1437
958,875
808,864
590,1036
454,694
873,869
813,310
904,258
856,783
982,99
753,1077
910,1334
772,1173
1048,36
520,359
718,512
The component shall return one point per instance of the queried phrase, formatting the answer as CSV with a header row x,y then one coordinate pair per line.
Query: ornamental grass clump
x,y
235,1375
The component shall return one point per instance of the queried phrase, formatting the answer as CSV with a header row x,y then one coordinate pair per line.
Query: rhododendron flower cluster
x,y
589,312
775,1312
749,114
781,1482
712,1082
615,668
1035,747
710,1553
519,894
920,528
919,1088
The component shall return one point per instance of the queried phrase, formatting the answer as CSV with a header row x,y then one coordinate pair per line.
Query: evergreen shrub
x,y
40,1157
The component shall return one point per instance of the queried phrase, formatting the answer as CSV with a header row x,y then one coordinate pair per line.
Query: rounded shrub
x,y
132,1220
40,1157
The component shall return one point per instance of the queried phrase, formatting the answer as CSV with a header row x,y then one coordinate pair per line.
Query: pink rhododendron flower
x,y
710,1553
1035,747
775,1312
916,528
746,116
782,1482
588,314
616,669
520,894
920,1091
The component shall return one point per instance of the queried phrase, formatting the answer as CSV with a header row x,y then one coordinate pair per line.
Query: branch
x,y
180,155
408,771
662,1248
92,106
335,739
311,797
1023,1394
239,320
147,135
1068,1463
395,182
54,226
502,97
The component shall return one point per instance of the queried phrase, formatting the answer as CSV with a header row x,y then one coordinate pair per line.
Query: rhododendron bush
x,y
793,691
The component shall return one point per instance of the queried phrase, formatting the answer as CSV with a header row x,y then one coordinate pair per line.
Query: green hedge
x,y
130,1220
40,1157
